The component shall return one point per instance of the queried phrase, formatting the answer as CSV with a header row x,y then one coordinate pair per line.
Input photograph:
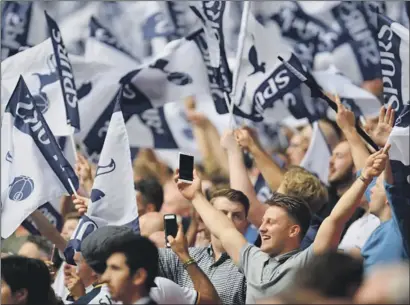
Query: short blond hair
x,y
300,183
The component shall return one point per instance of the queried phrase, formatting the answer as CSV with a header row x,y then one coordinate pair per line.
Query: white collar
x,y
144,300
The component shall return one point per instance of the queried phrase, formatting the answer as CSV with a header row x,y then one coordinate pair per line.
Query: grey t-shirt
x,y
265,275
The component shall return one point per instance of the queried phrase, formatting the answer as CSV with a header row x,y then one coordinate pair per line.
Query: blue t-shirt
x,y
388,243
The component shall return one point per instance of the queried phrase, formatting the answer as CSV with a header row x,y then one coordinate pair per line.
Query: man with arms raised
x,y
270,269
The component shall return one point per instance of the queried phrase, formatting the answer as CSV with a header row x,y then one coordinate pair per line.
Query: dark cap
x,y
95,248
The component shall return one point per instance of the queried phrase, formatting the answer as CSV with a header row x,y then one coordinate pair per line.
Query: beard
x,y
347,178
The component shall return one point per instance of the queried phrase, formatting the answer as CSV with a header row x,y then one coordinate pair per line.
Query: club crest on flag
x,y
96,195
254,61
45,79
9,157
21,188
177,78
105,169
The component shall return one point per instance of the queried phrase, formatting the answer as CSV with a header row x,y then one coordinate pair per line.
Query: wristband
x,y
364,179
189,262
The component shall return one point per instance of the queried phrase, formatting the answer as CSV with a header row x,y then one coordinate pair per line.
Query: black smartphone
x,y
171,227
186,168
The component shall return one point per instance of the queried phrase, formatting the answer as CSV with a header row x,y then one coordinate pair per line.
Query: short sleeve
x,y
302,258
252,261
167,263
168,292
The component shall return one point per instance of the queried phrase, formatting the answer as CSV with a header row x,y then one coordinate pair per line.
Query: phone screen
x,y
186,167
171,226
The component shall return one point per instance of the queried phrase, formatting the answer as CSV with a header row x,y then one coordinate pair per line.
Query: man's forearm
x,y
48,230
330,231
217,151
239,180
357,147
202,284
214,220
271,172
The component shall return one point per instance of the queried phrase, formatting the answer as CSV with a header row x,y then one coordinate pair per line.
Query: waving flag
x,y
393,42
360,101
48,73
211,14
318,155
356,44
51,211
220,78
400,164
298,26
15,22
109,206
65,73
260,79
104,35
34,169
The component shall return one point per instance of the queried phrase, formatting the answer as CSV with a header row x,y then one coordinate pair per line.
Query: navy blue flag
x,y
356,31
393,43
104,35
300,27
15,23
36,170
51,213
65,73
220,78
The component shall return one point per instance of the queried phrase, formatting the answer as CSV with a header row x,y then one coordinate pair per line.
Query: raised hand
x,y
228,140
376,163
83,171
80,204
179,244
345,118
246,138
384,126
188,190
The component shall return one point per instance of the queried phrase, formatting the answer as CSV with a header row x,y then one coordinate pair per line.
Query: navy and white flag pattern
x,y
400,164
107,205
298,26
220,78
15,22
211,14
261,79
51,211
356,43
65,73
41,69
358,100
34,169
393,43
104,35
318,155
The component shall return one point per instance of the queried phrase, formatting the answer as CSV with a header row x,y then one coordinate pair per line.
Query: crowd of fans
x,y
307,243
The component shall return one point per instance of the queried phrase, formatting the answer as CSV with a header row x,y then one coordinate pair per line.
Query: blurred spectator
x,y
332,275
37,247
150,195
25,281
386,284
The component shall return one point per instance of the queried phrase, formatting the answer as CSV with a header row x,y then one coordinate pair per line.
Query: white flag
x,y
113,200
318,155
34,169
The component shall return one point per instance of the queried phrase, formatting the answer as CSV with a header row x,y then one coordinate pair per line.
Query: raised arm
x,y
271,171
202,284
218,223
48,230
329,233
207,138
239,178
346,121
